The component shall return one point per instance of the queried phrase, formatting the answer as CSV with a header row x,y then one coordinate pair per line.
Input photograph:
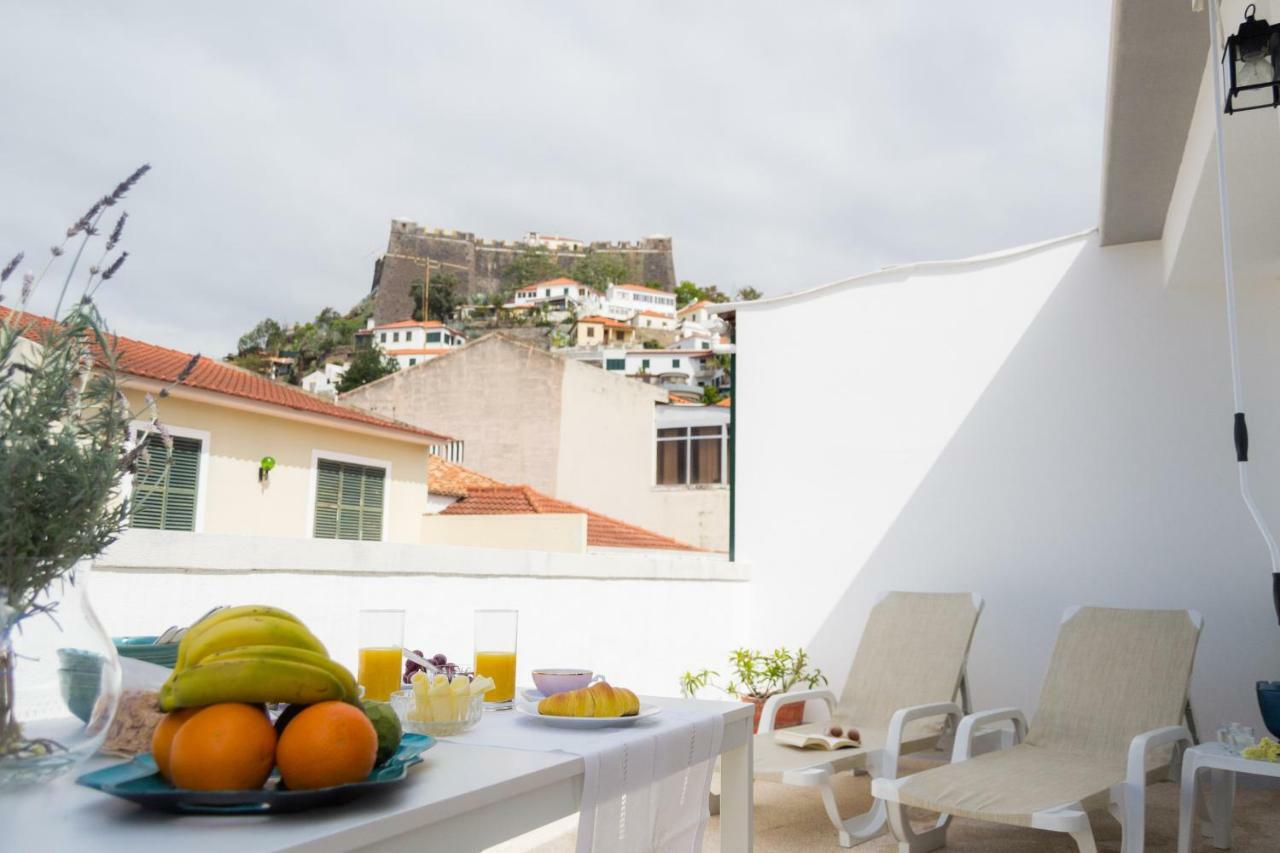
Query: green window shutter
x,y
166,486
349,501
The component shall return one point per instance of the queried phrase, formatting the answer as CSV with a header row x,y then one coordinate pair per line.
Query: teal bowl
x,y
145,649
79,686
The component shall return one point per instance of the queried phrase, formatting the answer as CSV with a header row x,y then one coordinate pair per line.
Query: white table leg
x,y
1187,803
1222,788
736,798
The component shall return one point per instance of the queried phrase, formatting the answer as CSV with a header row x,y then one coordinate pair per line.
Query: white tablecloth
x,y
645,786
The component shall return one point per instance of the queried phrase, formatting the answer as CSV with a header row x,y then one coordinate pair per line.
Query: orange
x,y
329,743
224,747
162,738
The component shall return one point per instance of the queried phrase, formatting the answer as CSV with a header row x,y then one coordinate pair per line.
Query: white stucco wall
x,y
1049,430
616,614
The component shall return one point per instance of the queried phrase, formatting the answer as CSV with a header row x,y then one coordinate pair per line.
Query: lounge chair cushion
x,y
1010,785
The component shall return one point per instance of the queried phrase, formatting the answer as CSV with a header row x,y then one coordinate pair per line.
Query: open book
x,y
817,740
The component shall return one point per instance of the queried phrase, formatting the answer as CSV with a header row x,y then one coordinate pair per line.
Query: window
x,y
615,364
691,455
433,337
349,500
675,363
395,337
165,486
644,363
383,337
591,331
412,362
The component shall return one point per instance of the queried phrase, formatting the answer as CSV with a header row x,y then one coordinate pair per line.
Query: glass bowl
x,y
403,703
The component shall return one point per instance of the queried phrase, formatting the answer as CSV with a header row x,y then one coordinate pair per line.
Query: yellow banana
x,y
251,680
219,616
337,670
252,631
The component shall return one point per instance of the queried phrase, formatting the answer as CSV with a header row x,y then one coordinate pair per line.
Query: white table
x,y
461,798
1222,766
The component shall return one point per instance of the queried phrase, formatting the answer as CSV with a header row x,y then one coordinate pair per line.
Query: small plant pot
x,y
790,714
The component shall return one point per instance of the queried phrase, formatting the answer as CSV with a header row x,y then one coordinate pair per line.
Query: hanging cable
x,y
1240,428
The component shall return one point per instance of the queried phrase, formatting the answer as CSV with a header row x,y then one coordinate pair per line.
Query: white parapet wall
x,y
640,618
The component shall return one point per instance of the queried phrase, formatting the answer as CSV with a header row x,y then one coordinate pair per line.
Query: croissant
x,y
598,700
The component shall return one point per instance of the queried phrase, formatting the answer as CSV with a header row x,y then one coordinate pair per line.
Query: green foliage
x,y
367,365
267,336
63,430
650,343
64,438
748,294
533,264
758,675
311,343
600,269
711,395
688,292
443,297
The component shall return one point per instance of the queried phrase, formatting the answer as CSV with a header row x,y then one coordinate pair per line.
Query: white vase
x,y
59,684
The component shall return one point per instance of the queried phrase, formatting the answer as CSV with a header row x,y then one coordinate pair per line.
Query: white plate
x,y
530,709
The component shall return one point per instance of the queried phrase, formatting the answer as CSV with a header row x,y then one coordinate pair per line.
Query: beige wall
x,y
569,429
235,502
502,398
565,534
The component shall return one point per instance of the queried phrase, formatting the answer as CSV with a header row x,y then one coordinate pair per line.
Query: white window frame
x,y
688,438
137,428
334,456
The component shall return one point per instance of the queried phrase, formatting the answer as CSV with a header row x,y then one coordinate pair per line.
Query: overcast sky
x,y
780,145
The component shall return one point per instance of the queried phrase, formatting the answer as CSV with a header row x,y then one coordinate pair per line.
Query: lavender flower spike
x,y
115,266
115,232
10,267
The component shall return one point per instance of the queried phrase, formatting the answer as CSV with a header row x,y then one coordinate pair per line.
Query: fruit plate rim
x,y
530,709
138,781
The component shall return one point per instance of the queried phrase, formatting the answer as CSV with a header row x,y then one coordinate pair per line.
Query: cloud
x,y
780,145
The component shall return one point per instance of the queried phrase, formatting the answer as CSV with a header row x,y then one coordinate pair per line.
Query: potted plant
x,y
755,676
65,448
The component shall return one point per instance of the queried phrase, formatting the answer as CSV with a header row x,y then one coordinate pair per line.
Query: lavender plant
x,y
64,442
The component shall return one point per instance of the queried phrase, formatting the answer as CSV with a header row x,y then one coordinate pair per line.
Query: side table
x,y
1222,765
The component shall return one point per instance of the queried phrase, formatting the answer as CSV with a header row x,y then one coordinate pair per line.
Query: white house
x,y
324,380
1047,426
654,320
687,368
412,342
698,317
637,297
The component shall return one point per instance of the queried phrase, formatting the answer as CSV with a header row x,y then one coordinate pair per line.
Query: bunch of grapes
x,y
439,661
1266,750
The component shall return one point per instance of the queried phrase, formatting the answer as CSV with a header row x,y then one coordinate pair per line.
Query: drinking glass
x,y
381,651
496,654
1236,737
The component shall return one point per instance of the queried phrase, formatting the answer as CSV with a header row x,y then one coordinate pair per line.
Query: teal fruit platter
x,y
139,782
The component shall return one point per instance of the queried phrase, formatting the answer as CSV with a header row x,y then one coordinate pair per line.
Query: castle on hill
x,y
414,253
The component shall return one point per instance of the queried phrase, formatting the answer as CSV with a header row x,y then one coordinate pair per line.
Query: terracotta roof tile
x,y
604,321
643,289
149,361
602,531
452,480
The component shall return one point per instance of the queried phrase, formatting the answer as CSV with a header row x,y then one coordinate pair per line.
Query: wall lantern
x,y
264,468
1250,74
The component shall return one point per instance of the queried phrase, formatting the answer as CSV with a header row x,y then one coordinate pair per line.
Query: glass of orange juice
x,y
381,653
496,654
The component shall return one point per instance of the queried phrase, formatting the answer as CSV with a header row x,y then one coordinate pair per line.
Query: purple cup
x,y
552,681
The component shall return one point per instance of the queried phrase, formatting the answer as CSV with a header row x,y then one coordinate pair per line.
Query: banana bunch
x,y
253,654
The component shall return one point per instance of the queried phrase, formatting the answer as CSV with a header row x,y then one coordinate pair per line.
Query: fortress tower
x,y
415,253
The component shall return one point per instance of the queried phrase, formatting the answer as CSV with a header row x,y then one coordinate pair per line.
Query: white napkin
x,y
645,786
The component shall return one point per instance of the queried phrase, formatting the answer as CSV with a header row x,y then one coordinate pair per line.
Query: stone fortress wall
x,y
415,253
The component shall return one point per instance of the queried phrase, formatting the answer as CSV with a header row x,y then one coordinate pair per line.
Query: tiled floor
x,y
791,820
